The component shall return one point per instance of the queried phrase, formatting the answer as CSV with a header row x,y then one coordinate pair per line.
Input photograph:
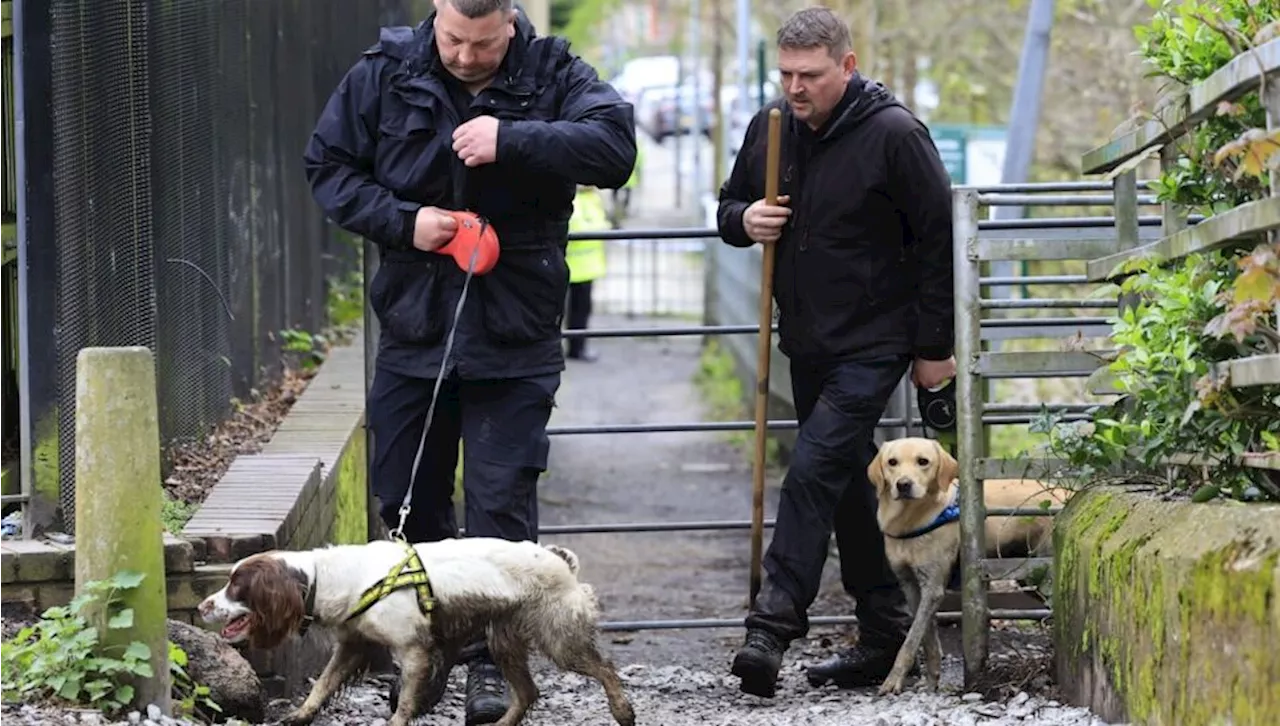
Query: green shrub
x,y
1176,420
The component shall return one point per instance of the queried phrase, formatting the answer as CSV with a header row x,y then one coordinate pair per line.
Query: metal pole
x,y
1024,118
743,106
969,402
761,74
695,133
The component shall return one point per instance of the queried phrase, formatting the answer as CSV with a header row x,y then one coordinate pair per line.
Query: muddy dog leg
x,y
349,655
511,654
929,586
578,653
932,655
415,674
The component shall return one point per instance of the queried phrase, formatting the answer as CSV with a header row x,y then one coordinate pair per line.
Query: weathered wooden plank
x,y
1258,370
1039,248
1215,232
1187,108
1041,364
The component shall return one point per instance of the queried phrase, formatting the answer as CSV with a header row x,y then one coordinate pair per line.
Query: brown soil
x,y
193,468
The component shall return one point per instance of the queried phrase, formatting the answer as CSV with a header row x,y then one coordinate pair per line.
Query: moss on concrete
x,y
351,498
1169,612
119,497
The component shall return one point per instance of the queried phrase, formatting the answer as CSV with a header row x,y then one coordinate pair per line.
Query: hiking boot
x,y
758,663
486,693
861,666
428,699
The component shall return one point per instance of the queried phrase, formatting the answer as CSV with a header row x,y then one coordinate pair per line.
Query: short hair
x,y
480,8
814,27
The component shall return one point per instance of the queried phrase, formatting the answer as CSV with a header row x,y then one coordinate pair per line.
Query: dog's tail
x,y
565,554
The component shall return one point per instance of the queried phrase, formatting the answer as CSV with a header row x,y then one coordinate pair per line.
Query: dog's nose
x,y
904,487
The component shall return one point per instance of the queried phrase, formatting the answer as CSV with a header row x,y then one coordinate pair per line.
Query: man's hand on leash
x,y
433,228
932,373
763,222
476,141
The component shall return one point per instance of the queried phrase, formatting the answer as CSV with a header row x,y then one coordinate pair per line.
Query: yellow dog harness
x,y
409,572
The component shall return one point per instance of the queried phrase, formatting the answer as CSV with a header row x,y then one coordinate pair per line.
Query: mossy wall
x,y
1168,613
350,514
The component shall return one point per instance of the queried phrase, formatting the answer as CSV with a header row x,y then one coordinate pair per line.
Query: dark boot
x,y
861,666
758,663
486,693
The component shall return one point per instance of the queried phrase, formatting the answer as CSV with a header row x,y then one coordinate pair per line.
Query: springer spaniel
x,y
527,596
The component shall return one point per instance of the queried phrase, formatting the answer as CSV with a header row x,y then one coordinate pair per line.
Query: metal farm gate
x,y
1066,240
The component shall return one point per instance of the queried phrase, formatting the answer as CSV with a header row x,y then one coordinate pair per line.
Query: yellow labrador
x,y
917,487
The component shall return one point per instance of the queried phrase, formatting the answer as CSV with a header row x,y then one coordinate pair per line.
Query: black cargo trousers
x,y
826,488
503,426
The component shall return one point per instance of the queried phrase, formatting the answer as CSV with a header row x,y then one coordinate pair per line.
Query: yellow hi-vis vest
x,y
586,257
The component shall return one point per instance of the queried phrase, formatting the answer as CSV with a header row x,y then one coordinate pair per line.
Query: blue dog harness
x,y
948,515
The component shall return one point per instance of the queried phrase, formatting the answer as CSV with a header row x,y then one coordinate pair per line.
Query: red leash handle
x,y
474,235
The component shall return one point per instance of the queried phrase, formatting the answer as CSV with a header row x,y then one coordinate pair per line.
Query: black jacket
x,y
864,266
383,148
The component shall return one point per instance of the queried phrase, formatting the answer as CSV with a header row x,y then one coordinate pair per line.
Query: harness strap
x,y
948,515
408,572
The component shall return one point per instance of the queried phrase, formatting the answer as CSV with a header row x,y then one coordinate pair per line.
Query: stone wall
x,y
1168,612
308,487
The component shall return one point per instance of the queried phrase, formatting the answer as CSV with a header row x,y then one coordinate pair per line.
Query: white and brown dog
x,y
917,487
525,595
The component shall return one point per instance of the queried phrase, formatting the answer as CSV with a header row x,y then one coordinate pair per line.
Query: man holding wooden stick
x,y
863,283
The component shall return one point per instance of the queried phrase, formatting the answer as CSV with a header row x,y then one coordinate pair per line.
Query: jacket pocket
x,y
409,158
405,297
524,295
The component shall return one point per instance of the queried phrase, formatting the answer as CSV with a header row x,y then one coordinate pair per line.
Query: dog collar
x,y
948,515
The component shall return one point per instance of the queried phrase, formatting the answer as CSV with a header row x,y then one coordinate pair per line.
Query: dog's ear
x,y
875,470
274,597
948,467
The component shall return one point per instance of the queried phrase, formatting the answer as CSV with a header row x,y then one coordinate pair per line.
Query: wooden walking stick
x,y
764,344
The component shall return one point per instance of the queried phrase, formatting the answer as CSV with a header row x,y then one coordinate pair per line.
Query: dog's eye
x,y
892,462
922,461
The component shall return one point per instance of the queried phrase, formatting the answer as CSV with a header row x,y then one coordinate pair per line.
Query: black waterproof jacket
x,y
864,265
383,148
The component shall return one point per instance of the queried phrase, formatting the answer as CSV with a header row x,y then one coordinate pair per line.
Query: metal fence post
x,y
969,403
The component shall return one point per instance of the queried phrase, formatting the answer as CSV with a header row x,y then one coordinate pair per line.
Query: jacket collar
x,y
513,75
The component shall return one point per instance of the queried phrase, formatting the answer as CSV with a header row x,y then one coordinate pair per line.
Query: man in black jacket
x,y
863,284
470,110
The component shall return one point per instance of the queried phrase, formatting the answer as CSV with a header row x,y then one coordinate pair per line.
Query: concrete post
x,y
118,498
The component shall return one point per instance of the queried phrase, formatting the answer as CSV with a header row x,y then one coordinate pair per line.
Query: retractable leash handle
x,y
475,236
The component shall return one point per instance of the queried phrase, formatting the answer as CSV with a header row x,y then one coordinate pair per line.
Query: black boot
x,y
486,693
758,663
861,666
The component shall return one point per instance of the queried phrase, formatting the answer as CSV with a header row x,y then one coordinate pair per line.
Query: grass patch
x,y
726,399
175,513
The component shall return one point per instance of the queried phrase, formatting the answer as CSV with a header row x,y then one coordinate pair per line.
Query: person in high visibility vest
x,y
622,196
586,260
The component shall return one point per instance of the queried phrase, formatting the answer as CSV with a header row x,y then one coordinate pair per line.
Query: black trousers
x,y
826,489
503,428
577,314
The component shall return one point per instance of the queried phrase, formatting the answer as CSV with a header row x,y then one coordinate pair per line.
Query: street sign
x,y
971,154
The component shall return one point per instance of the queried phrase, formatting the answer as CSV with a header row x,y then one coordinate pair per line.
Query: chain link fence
x,y
164,199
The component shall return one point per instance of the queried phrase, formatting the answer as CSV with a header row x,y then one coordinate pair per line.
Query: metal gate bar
x,y
972,249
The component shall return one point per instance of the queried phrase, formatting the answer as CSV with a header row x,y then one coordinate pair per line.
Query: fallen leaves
x,y
195,467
